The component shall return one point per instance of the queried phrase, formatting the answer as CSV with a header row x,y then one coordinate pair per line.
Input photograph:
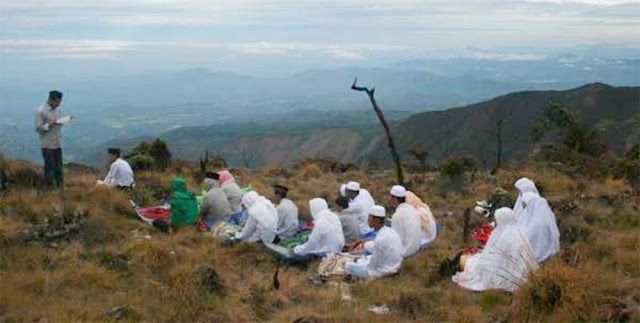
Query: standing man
x,y
49,131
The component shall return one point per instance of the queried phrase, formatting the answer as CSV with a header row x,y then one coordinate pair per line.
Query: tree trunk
x,y
499,150
385,125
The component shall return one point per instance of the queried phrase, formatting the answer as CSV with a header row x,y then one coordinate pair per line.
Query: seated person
x,y
262,221
231,190
287,213
215,206
539,225
405,221
427,220
326,235
348,220
120,173
386,248
360,201
504,263
523,185
184,208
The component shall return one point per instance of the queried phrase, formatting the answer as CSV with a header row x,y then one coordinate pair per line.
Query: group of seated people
x,y
523,237
359,227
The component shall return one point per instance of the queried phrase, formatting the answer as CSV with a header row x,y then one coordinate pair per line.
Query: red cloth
x,y
155,213
307,226
481,235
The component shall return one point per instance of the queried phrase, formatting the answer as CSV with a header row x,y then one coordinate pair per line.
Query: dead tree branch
x,y
385,125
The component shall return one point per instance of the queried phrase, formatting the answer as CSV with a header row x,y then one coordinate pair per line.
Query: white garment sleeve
x,y
313,243
112,176
248,230
40,124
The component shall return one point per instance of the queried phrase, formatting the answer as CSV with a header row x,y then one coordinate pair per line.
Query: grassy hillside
x,y
81,255
280,138
472,129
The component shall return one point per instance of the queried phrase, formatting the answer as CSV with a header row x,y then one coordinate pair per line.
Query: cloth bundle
x,y
333,264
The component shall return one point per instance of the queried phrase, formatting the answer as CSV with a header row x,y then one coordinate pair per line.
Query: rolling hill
x,y
472,129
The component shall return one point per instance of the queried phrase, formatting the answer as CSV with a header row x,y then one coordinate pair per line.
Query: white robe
x,y
523,185
287,218
327,233
504,263
262,221
386,258
360,207
120,174
540,227
425,215
406,223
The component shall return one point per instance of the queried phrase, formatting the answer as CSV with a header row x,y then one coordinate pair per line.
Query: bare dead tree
x,y
385,125
499,148
203,162
247,155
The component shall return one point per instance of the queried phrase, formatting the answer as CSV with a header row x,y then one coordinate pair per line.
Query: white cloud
x,y
45,48
345,54
497,56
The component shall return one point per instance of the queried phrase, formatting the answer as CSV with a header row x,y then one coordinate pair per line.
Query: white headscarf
x,y
327,235
320,211
316,206
539,225
249,199
523,185
261,208
506,260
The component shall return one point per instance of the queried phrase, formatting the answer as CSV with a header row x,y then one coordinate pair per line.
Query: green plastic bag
x,y
184,208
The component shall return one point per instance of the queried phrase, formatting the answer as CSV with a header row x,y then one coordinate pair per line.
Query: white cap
x,y
343,189
378,211
353,186
398,191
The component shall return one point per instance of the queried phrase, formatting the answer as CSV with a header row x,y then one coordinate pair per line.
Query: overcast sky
x,y
297,34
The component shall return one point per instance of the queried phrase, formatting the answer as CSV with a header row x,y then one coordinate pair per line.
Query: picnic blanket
x,y
295,240
287,254
333,264
151,213
224,230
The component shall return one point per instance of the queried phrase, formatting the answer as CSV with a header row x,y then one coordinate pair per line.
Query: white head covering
x,y
523,185
528,197
250,198
506,260
378,211
343,189
353,186
398,191
504,215
539,225
316,206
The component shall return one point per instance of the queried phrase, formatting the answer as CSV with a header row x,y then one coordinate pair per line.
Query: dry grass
x,y
110,272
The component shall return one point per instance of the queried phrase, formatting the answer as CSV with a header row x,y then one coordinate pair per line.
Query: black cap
x,y
114,151
212,175
55,95
281,187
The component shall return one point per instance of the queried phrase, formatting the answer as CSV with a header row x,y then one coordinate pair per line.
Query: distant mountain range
x,y
357,136
122,109
615,111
